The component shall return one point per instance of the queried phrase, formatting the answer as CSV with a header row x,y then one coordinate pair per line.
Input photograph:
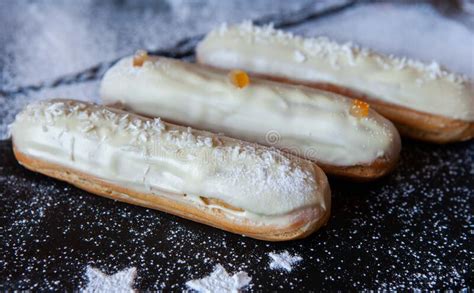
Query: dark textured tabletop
x,y
411,229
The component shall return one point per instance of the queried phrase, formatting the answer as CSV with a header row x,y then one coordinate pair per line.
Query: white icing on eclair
x,y
410,83
154,157
310,123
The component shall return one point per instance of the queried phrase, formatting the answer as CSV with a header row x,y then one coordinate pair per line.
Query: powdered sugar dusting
x,y
283,260
220,281
120,282
299,56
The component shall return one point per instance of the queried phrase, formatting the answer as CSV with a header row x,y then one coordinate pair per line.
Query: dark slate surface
x,y
412,229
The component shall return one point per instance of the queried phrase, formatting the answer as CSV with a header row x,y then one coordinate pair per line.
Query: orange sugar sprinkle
x,y
139,58
239,78
360,109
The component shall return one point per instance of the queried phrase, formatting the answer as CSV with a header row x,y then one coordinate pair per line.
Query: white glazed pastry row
x,y
400,81
185,165
310,123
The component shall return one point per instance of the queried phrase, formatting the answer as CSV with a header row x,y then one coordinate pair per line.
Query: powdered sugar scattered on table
x,y
120,282
220,281
283,260
410,230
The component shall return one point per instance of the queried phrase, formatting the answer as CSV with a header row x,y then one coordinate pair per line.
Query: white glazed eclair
x,y
226,183
425,101
341,135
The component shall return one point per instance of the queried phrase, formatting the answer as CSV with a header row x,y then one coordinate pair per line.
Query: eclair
x,y
424,101
233,185
344,137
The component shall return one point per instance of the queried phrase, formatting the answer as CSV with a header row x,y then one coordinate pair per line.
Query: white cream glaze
x,y
424,87
155,157
310,123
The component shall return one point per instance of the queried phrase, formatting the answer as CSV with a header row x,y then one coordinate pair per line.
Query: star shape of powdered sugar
x,y
119,282
283,260
220,281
